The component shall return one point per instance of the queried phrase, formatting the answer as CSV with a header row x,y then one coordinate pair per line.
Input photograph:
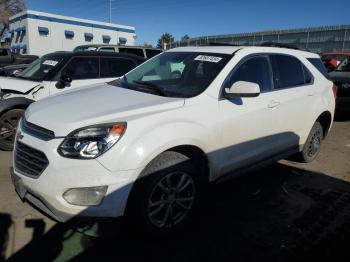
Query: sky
x,y
196,18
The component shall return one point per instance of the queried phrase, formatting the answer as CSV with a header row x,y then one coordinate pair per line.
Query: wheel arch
x,y
325,119
14,103
195,153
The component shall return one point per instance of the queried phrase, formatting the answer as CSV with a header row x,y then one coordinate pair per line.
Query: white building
x,y
40,33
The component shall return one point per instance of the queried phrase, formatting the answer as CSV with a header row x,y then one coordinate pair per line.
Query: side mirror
x,y
64,81
242,89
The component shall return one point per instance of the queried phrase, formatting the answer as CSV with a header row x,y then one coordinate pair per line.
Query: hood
x,y
338,76
17,85
102,103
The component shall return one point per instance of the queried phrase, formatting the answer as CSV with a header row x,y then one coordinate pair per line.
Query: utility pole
x,y
110,11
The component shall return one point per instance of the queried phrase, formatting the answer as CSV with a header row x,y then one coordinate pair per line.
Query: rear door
x,y
293,92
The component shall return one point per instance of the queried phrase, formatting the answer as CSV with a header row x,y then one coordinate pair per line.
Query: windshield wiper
x,y
151,86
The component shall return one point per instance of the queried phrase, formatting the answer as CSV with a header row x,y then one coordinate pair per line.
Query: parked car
x,y
145,52
12,70
341,78
145,145
332,60
49,75
9,58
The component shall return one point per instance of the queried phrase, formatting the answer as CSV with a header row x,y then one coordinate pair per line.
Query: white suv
x,y
144,146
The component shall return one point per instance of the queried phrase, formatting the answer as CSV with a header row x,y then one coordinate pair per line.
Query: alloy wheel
x,y
171,199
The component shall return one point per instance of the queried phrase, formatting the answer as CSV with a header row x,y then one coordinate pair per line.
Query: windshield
x,y
40,68
344,66
176,74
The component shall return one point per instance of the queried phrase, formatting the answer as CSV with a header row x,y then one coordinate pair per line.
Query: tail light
x,y
334,89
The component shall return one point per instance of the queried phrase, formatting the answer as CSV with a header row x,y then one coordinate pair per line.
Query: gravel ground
x,y
285,212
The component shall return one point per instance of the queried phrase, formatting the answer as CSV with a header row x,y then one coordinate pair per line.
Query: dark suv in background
x,y
341,78
52,74
141,51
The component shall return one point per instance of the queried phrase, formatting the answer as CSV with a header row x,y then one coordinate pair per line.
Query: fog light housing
x,y
87,196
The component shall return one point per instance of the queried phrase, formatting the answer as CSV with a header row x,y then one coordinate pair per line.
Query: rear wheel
x,y
164,198
8,127
313,143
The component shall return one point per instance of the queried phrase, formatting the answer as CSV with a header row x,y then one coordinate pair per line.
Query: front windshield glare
x,y
176,74
39,69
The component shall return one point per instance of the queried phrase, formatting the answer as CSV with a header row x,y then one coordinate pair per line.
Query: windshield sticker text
x,y
50,62
213,59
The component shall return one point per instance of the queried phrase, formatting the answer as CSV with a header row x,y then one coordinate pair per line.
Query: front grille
x,y
29,161
341,90
37,131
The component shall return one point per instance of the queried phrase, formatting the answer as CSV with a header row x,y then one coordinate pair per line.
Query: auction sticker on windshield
x,y
213,59
50,62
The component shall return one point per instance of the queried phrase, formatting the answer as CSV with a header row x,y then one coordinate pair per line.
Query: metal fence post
x,y
343,47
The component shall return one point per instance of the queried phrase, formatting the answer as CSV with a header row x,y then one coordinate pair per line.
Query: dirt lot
x,y
285,212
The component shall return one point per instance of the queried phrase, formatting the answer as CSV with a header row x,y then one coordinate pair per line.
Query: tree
x,y
165,40
9,8
185,38
146,44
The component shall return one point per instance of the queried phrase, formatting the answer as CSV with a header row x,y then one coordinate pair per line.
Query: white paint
x,y
232,134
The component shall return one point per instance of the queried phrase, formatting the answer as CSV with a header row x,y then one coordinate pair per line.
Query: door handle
x,y
273,104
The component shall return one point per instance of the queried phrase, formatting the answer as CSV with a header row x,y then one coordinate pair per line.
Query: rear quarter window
x,y
134,51
289,72
317,62
151,53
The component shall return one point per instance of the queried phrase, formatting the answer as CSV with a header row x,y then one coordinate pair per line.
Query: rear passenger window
x,y
107,49
134,51
115,67
307,75
316,62
82,68
151,53
256,70
288,71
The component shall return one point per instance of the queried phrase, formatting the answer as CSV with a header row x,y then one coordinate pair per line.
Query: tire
x,y
313,144
8,127
165,197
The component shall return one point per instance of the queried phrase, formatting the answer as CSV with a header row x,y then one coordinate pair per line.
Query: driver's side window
x,y
82,68
256,70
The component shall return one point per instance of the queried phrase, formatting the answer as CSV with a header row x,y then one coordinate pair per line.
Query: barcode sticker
x,y
50,62
213,59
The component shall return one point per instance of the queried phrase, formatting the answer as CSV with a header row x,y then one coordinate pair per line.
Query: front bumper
x,y
343,103
45,192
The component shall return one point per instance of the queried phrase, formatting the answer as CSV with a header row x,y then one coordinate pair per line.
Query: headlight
x,y
91,142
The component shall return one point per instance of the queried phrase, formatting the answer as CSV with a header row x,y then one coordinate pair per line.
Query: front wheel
x,y
8,127
164,198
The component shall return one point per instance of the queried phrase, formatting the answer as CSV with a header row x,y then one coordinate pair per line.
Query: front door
x,y
249,133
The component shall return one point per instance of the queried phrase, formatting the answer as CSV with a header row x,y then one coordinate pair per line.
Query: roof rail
x,y
290,46
221,44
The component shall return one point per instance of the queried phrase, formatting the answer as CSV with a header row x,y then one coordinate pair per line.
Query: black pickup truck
x,y
9,58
